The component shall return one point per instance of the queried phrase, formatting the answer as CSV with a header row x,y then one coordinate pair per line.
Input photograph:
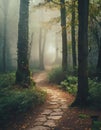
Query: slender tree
x,y
40,41
57,51
99,63
64,32
95,14
42,48
82,94
23,73
73,35
4,8
64,35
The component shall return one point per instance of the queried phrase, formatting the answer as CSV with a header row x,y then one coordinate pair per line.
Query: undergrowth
x,y
69,83
94,98
14,100
56,75
7,79
95,93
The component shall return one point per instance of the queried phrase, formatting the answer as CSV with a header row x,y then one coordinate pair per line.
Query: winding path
x,y
56,104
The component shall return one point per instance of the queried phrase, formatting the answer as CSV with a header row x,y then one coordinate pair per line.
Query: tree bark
x,y
64,35
99,63
82,94
23,73
73,35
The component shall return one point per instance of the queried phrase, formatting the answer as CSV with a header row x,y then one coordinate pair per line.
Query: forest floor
x,y
55,113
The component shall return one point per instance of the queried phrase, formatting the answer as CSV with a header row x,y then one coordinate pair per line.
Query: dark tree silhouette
x,y
99,63
23,73
64,35
73,35
82,94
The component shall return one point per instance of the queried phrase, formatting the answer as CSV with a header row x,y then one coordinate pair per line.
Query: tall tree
x,y
73,35
64,35
42,48
57,51
99,62
4,8
82,94
64,32
23,73
95,15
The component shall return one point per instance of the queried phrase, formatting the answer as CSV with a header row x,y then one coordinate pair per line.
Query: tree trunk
x,y
23,73
42,49
99,63
64,35
30,46
57,51
73,35
4,53
82,93
4,42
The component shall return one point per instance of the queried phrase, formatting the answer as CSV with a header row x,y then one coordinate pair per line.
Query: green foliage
x,y
17,101
95,93
83,116
7,79
14,100
56,75
70,85
96,125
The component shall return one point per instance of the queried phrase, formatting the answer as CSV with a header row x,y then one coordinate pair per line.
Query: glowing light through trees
x,y
51,50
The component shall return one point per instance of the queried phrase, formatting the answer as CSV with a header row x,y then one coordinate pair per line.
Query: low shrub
x,y
17,101
14,101
7,79
94,98
95,93
70,85
56,75
96,125
83,116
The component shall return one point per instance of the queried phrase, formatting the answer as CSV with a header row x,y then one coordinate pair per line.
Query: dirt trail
x,y
55,107
54,114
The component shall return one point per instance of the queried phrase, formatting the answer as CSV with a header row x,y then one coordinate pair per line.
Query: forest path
x,y
54,108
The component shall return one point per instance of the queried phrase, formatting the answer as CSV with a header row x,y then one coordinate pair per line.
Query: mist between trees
x,y
45,40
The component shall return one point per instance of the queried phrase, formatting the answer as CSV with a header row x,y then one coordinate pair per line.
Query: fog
x,y
36,2
40,18
9,13
41,28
